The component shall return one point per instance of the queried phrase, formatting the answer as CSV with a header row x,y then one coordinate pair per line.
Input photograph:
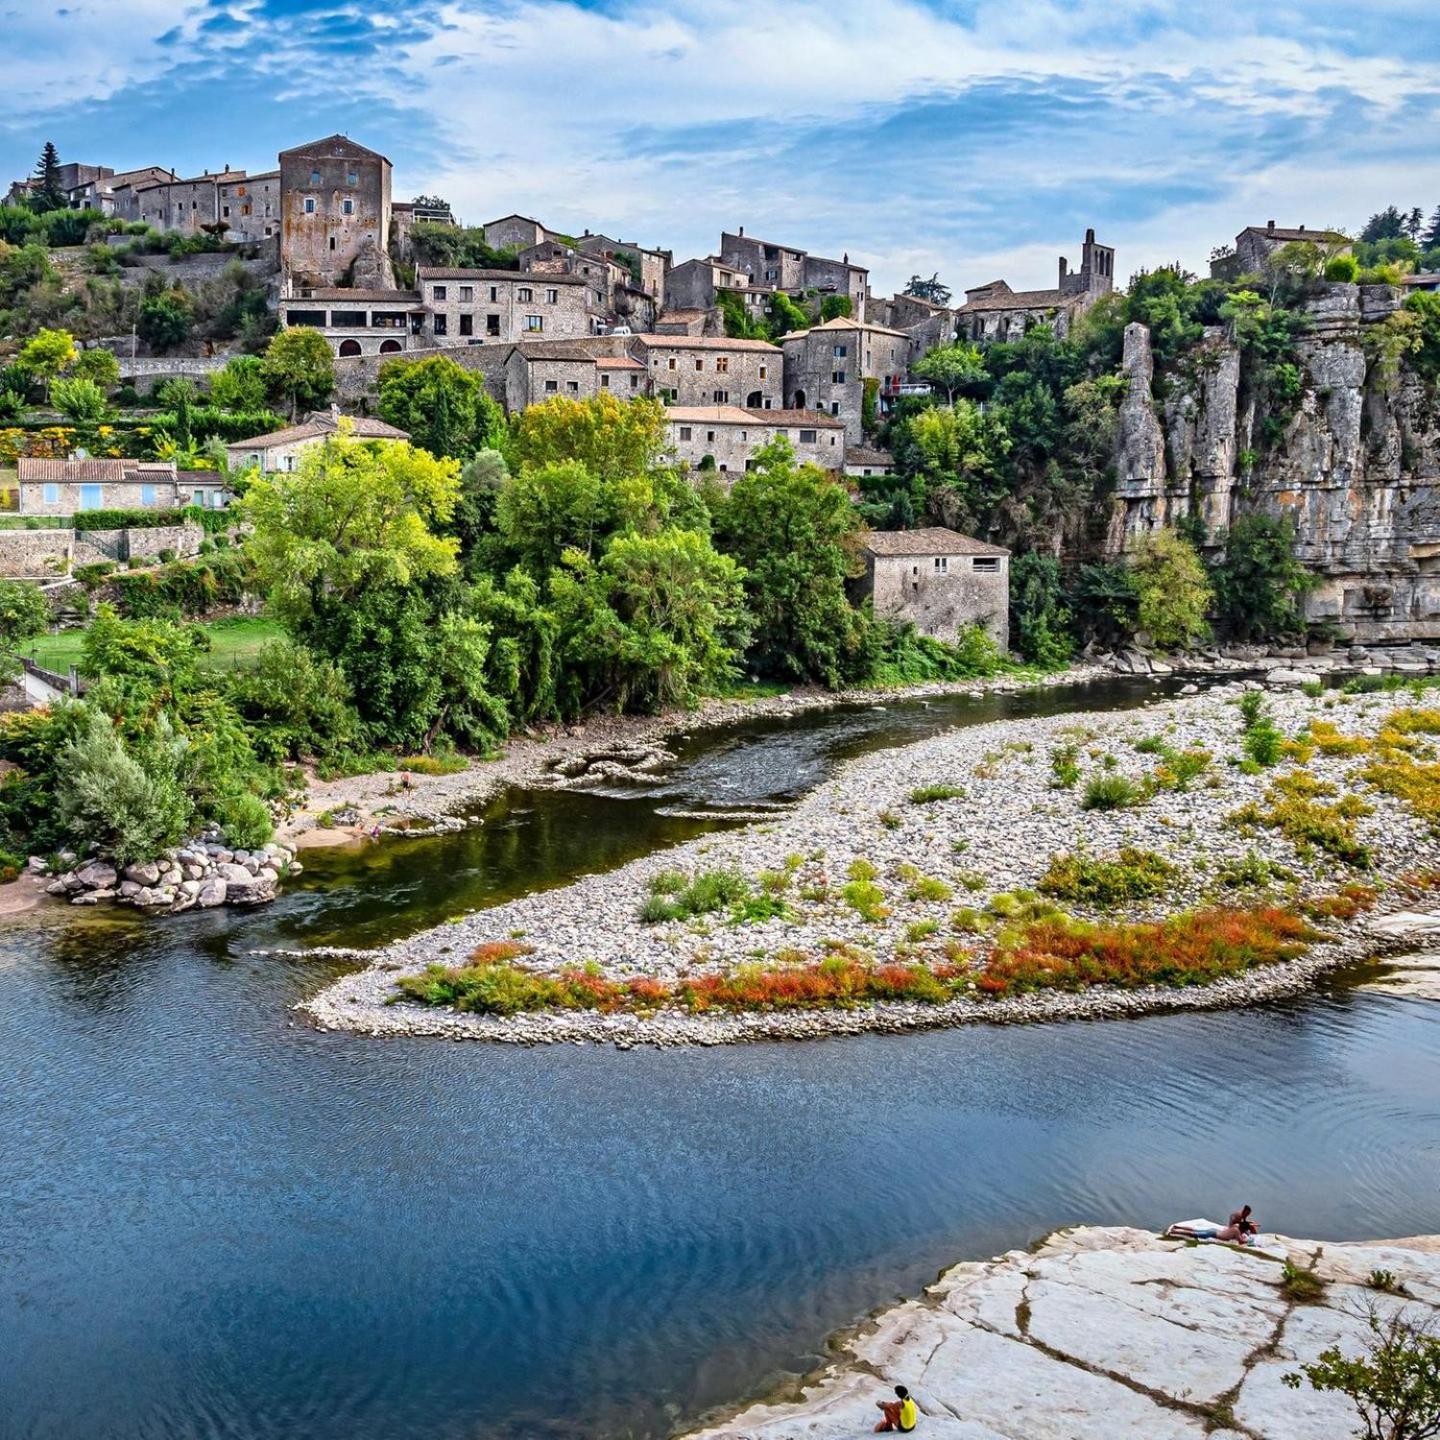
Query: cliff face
x,y
1356,466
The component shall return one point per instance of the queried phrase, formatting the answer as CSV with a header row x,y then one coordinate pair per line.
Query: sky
x,y
976,138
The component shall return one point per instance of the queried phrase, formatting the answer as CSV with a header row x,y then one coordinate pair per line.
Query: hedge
x,y
192,587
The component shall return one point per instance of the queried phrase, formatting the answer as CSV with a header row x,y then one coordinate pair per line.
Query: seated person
x,y
901,1414
1241,1230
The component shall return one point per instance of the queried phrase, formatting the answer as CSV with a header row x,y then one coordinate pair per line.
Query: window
x,y
225,212
552,297
91,497
699,366
634,382
492,325
352,178
834,407
147,495
439,292
709,437
332,242
722,364
837,377
309,204
347,206
838,352
245,209
534,323
990,563
722,397
552,387
350,319
942,563
52,494
604,381
467,292
494,294
764,371
441,325
670,364
807,437
467,324
572,387
314,177
524,293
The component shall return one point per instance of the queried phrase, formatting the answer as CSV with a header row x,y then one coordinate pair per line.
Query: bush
x,y
1172,591
1100,882
245,820
1111,792
1298,806
1342,268
928,794
707,892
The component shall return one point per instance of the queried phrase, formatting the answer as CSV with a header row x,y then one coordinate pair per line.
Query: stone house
x,y
995,312
939,581
862,462
99,193
614,294
700,370
653,266
696,284
514,231
250,206
533,371
281,450
360,322
489,307
334,210
1255,244
927,324
788,268
186,206
69,487
728,436
73,178
826,368
689,322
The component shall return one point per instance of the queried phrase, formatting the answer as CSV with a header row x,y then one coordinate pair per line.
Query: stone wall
x,y
45,554
940,599
35,554
1356,467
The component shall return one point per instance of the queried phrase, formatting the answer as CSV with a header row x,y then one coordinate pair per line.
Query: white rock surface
x,y
1110,1334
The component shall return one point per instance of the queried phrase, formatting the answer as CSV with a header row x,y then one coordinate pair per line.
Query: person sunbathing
x,y
1241,1230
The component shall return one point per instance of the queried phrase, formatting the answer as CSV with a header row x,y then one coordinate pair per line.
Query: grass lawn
x,y
233,644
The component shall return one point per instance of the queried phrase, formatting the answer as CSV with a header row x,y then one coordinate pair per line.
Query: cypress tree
x,y
46,194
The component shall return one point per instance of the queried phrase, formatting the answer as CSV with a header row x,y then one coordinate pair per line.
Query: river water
x,y
215,1221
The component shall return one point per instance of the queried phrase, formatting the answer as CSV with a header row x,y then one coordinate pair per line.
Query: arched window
x,y
755,400
799,401
389,347
349,347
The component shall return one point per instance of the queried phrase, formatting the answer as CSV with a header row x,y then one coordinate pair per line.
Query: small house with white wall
x,y
281,450
940,581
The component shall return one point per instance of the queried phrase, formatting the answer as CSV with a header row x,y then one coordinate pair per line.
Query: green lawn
x,y
233,644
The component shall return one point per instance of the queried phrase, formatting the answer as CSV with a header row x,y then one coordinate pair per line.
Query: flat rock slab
x,y
1110,1334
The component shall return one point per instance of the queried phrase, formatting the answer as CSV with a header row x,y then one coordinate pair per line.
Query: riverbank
x,y
433,802
1105,1333
956,834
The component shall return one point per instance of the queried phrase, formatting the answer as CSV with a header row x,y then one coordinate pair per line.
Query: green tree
x,y
1394,1385
299,369
1173,594
835,307
45,192
163,320
1386,224
952,368
442,405
47,354
240,386
1039,616
1260,585
613,438
794,531
932,289
24,614
99,366
78,399
659,620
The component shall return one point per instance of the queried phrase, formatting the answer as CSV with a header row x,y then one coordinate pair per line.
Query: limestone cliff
x,y
1355,464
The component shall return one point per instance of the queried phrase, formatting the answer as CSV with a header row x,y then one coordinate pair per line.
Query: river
x,y
216,1221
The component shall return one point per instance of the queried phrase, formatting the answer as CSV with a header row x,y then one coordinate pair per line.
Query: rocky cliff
x,y
1355,463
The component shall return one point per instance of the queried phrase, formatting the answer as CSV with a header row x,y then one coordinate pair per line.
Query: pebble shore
x,y
999,836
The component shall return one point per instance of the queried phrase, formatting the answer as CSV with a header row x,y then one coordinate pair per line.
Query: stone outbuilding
x,y
940,581
281,450
726,437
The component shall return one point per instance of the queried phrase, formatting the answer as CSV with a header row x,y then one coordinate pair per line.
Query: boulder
x,y
212,892
146,874
97,875
232,873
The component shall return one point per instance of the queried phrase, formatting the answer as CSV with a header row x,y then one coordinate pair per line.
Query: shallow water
x,y
217,1222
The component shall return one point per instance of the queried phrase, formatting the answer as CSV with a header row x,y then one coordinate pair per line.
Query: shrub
x,y
1060,953
1064,766
451,764
707,892
927,887
1342,268
1100,882
1111,792
245,820
1299,1285
1253,872
929,794
1298,806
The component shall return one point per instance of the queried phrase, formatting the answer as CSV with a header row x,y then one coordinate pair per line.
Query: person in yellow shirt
x,y
900,1414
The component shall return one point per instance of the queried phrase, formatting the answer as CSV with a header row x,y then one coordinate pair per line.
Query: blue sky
x,y
977,138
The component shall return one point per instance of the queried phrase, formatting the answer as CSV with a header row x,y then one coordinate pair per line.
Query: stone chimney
x,y
1269,224
742,232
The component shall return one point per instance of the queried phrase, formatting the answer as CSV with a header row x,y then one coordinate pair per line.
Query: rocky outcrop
x,y
1354,463
201,874
1108,1334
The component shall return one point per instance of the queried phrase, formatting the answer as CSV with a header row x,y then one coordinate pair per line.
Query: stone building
x,y
250,206
928,324
727,436
360,322
490,307
1255,244
697,285
69,487
862,462
995,312
282,450
514,232
73,178
535,371
649,269
99,193
615,297
939,581
826,368
334,212
185,206
700,370
785,267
